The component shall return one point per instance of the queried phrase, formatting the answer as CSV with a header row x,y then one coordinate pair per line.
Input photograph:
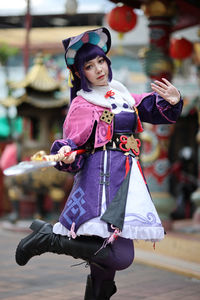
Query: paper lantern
x,y
122,19
180,48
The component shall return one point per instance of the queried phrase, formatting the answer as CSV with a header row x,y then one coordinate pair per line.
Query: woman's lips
x,y
100,77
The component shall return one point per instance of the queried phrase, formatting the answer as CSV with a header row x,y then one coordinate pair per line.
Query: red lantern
x,y
180,48
122,19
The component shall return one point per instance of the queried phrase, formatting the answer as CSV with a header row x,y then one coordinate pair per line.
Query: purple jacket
x,y
84,201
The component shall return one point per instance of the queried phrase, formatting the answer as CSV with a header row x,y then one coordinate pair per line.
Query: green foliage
x,y
6,52
6,125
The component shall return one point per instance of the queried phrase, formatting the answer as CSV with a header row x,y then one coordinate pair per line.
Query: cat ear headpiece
x,y
99,37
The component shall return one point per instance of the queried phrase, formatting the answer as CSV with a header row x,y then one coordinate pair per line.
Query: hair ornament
x,y
99,37
70,79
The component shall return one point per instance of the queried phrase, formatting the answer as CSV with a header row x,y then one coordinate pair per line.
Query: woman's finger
x,y
64,149
159,83
158,88
70,159
166,81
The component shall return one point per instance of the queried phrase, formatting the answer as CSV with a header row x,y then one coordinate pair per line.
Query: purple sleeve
x,y
76,165
155,110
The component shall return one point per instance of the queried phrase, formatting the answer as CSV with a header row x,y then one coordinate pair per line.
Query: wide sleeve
x,y
61,166
77,129
152,108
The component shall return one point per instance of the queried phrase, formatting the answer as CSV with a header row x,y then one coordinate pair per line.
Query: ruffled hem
x,y
141,220
152,234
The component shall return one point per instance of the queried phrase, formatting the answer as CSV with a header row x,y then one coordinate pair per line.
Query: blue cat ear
x,y
77,45
104,48
70,60
94,38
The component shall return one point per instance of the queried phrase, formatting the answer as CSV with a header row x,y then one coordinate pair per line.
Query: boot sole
x,y
20,256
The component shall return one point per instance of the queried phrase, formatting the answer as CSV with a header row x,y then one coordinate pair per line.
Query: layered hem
x,y
99,228
141,220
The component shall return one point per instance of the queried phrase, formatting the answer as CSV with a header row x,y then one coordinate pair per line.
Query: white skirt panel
x,y
141,219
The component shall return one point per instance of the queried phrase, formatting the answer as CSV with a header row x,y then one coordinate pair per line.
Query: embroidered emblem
x,y
75,206
113,105
130,143
107,116
109,94
125,105
140,220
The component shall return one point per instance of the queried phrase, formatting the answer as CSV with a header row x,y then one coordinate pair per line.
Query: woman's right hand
x,y
69,158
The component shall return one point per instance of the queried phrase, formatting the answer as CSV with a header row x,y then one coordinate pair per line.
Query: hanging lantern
x,y
122,19
180,48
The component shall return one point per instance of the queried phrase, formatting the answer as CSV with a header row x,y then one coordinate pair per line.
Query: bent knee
x,y
124,254
125,261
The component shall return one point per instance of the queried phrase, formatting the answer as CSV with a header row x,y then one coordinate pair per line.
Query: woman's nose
x,y
98,68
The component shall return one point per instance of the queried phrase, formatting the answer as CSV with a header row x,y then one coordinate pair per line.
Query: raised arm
x,y
162,106
166,90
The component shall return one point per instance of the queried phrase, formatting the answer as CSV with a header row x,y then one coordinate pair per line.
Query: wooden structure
x,y
42,105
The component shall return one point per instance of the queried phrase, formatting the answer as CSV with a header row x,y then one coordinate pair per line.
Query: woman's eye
x,y
101,60
88,67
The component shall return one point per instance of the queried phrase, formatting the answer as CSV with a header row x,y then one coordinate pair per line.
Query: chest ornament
x,y
109,94
107,116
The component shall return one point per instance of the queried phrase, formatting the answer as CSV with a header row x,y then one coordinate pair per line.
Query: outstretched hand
x,y
166,90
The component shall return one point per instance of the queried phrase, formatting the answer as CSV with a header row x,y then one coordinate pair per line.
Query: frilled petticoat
x,y
141,219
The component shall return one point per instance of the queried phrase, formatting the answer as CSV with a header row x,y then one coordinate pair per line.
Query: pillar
x,y
195,197
156,138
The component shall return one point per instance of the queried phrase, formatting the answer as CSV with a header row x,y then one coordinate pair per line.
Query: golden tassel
x,y
70,79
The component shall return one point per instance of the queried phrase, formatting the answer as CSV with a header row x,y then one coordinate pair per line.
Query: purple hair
x,y
87,52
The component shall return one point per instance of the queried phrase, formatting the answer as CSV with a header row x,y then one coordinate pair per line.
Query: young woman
x,y
109,205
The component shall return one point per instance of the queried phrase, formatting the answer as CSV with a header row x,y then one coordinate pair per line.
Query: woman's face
x,y
96,71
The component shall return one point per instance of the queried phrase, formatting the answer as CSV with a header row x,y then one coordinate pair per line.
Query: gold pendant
x,y
107,116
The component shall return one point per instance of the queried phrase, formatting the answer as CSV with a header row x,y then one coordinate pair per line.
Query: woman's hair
x,y
87,52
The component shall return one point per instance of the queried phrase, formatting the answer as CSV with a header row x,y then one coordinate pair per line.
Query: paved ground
x,y
51,277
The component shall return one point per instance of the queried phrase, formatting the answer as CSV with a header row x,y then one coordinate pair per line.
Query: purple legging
x,y
120,257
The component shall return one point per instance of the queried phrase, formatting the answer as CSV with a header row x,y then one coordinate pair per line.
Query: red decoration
x,y
109,94
180,48
122,19
139,125
127,166
109,134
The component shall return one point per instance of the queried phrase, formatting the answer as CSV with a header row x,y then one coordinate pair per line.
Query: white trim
x,y
97,95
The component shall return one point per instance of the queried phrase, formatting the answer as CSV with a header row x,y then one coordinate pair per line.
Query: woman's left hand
x,y
166,90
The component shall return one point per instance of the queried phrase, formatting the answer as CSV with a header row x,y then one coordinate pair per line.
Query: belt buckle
x,y
123,139
130,143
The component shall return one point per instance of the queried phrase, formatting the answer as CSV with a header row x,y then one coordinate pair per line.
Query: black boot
x,y
89,291
108,288
42,240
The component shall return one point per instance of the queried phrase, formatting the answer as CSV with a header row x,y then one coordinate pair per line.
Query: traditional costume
x,y
110,204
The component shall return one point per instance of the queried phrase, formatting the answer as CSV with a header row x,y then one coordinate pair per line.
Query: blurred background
x,y
151,39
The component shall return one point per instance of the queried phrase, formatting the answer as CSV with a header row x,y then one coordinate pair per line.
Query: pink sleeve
x,y
139,97
79,122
